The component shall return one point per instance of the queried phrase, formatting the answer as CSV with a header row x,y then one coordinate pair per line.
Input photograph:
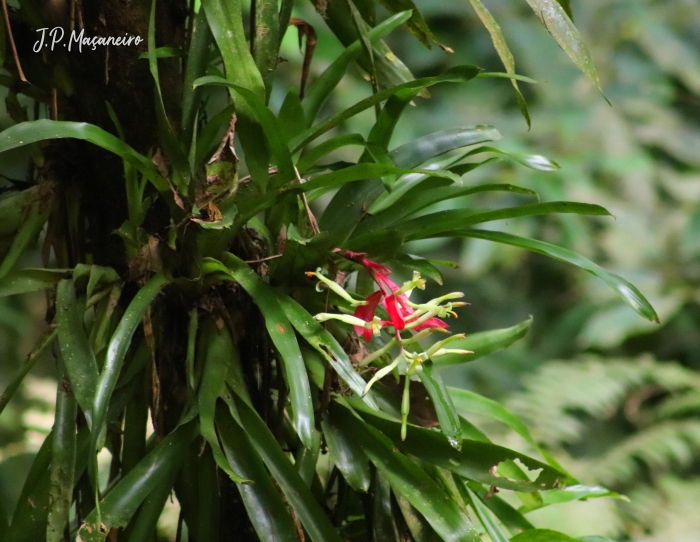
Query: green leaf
x,y
209,138
578,492
196,67
416,24
495,533
411,263
42,344
425,148
444,407
499,42
484,343
475,460
596,538
143,526
76,351
356,172
347,207
511,518
533,161
542,535
468,401
319,151
225,18
282,334
291,118
321,340
347,455
34,216
217,353
408,479
122,501
266,42
31,280
329,79
629,293
62,469
383,527
559,25
443,222
418,526
271,127
425,194
40,130
169,140
298,494
267,511
116,352
458,74
29,523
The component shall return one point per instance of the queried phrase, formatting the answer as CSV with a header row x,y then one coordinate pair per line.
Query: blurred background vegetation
x,y
615,398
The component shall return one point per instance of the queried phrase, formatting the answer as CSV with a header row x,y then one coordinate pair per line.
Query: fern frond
x,y
556,395
660,448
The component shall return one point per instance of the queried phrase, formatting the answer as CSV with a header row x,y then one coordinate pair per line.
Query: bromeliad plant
x,y
176,286
422,319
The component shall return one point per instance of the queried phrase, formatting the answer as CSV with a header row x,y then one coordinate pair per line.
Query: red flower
x,y
366,313
396,305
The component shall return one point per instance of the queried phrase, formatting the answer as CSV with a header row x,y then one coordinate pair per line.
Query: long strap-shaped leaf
x,y
62,468
329,79
484,343
116,352
475,460
499,43
123,500
318,337
266,509
423,196
41,130
225,18
347,455
468,401
458,74
300,498
34,217
167,134
445,221
444,408
629,293
217,351
351,202
44,342
408,479
559,25
76,351
266,119
282,334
